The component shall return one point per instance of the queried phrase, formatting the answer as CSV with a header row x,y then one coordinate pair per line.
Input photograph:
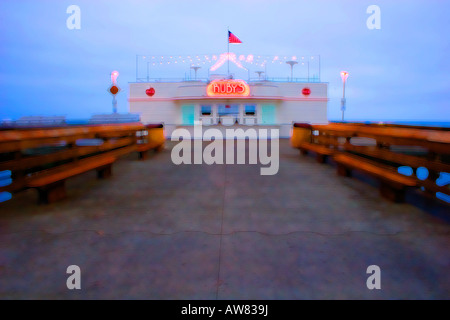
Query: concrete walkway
x,y
160,231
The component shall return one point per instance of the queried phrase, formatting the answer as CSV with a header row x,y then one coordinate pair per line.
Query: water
x,y
442,124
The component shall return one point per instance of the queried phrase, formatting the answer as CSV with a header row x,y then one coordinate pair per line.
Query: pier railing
x,y
385,152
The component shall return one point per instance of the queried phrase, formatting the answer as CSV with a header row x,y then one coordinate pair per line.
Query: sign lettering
x,y
221,88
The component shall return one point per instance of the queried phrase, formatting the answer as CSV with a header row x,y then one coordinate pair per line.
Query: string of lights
x,y
212,59
173,66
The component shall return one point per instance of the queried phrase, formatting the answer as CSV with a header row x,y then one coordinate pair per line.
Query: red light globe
x,y
114,89
306,91
150,92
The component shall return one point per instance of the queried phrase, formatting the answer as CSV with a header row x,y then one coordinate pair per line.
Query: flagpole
x,y
228,56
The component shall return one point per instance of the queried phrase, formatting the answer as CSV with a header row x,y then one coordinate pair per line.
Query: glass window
x,y
250,110
225,110
206,110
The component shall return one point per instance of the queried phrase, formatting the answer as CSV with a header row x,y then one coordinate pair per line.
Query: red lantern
x,y
150,92
114,90
306,91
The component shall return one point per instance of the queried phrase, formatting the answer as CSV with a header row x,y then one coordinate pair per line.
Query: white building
x,y
225,102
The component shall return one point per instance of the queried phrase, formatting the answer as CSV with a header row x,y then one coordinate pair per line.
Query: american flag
x,y
232,38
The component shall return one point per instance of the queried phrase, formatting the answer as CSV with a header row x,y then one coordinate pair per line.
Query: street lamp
x,y
114,89
195,69
292,64
344,76
259,74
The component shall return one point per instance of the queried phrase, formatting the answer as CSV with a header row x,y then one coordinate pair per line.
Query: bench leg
x,y
104,172
159,148
343,171
392,194
143,155
304,152
52,192
321,158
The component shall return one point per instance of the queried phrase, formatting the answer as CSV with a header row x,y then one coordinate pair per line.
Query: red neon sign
x,y
227,88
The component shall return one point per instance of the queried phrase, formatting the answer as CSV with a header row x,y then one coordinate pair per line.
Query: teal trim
x,y
188,114
268,114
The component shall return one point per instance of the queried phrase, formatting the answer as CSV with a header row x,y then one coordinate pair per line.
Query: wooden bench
x,y
393,147
151,138
50,183
322,152
392,184
44,158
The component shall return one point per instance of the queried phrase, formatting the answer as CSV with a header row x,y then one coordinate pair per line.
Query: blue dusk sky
x,y
399,72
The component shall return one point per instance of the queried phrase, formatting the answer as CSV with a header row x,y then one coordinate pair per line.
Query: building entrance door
x,y
228,114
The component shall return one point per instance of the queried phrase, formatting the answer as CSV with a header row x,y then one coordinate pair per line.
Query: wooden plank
x,y
62,133
117,143
123,151
66,171
385,138
114,134
34,161
316,148
327,140
11,146
378,170
403,159
432,136
148,146
381,125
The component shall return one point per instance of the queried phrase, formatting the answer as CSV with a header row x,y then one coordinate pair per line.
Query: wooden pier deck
x,y
155,230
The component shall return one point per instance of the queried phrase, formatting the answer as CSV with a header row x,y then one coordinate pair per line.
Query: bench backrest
x,y
395,145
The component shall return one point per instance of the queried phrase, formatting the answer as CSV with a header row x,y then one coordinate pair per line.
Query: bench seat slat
x,y
64,172
374,169
316,148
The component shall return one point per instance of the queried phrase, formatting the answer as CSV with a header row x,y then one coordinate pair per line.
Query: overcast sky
x,y
400,72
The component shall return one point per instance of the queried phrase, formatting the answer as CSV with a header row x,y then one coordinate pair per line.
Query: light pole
x,y
344,76
292,64
259,74
114,89
195,69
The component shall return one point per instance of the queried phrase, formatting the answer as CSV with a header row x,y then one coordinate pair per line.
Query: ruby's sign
x,y
227,88
306,91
